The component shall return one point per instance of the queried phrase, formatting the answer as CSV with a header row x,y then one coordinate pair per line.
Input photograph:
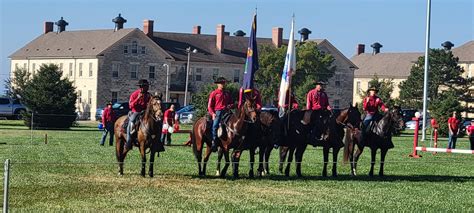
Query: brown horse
x,y
148,134
236,128
381,139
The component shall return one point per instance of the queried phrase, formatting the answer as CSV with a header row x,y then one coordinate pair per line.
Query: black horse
x,y
378,137
270,128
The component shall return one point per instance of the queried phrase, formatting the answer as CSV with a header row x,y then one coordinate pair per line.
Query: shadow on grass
x,y
389,178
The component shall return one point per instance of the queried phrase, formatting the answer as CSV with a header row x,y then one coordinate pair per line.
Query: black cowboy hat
x,y
220,80
143,82
320,83
109,103
373,89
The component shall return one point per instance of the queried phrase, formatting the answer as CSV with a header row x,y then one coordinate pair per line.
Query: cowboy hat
x,y
143,82
220,80
109,103
320,83
373,89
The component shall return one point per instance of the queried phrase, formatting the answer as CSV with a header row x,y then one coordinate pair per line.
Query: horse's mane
x,y
148,111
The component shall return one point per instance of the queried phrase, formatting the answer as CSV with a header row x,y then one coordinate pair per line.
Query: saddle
x,y
222,130
374,126
134,126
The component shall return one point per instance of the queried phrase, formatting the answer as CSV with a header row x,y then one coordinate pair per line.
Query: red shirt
x,y
107,115
294,103
138,104
470,130
218,100
372,104
256,94
169,116
316,100
454,124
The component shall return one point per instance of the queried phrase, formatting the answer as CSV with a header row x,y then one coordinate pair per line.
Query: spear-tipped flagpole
x,y
425,80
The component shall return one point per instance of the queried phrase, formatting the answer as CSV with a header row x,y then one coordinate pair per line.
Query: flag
x,y
288,70
251,64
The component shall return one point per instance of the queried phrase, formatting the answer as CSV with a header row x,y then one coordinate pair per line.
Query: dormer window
x,y
142,49
125,49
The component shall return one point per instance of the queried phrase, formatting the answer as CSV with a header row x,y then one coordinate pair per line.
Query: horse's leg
x,y
220,153
351,159
268,151
335,152
235,162
299,158
206,158
382,161
261,156
290,159
325,160
119,153
143,155
283,154
152,158
227,163
373,152
252,161
359,151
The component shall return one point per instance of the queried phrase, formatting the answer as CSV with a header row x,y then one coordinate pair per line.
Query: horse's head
x,y
271,126
353,116
155,107
249,110
397,118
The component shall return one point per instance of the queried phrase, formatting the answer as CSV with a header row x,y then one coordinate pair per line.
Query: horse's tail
x,y
194,141
348,145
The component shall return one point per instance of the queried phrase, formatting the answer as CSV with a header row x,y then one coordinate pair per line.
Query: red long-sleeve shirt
x,y
107,115
169,116
470,130
218,100
372,104
316,100
138,104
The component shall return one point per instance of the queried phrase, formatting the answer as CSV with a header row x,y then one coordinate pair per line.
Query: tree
x,y
443,107
14,87
385,87
50,98
311,65
200,99
444,74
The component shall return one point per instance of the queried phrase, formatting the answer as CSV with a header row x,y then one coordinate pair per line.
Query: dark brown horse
x,y
148,134
270,128
236,128
381,138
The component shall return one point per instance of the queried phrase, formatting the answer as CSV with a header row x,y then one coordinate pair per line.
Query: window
x,y
90,69
61,66
134,47
80,69
336,104
338,91
79,96
198,74
89,96
191,71
358,86
4,101
143,50
115,70
151,74
125,49
133,71
70,69
215,73
236,76
33,68
337,81
114,97
16,66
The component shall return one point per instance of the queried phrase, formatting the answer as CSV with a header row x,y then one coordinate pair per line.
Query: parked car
x,y
119,108
412,124
186,114
11,108
466,122
408,114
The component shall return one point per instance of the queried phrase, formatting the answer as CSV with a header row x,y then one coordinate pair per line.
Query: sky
x,y
399,25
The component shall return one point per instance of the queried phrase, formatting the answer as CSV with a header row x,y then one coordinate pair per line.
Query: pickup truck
x,y
11,108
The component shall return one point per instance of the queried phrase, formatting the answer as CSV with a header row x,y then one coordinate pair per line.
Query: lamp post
x,y
188,50
167,82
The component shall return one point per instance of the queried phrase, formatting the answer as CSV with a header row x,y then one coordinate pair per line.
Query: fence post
x,y
31,134
6,178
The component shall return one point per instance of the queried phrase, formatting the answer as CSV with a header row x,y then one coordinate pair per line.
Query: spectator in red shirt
x,y
138,102
168,121
108,119
453,126
470,133
219,101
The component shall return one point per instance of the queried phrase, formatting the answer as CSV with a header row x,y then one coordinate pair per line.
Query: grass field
x,y
73,173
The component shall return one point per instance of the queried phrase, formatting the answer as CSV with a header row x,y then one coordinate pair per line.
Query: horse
x,y
148,134
236,128
270,128
381,138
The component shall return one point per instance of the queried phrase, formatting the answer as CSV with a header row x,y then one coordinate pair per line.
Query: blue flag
x,y
251,64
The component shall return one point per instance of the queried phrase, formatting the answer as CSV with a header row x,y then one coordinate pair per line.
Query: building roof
x,y
465,52
392,65
71,43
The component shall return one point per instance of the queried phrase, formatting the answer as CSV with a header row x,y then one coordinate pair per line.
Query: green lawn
x,y
73,173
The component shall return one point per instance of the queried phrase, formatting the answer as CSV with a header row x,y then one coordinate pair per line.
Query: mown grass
x,y
73,173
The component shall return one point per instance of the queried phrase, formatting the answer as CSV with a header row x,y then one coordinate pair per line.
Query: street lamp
x,y
188,50
167,81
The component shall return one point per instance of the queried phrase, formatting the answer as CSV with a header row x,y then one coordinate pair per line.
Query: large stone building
x,y
397,66
106,64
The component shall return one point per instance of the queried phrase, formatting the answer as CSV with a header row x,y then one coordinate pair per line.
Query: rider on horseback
x,y
138,102
317,100
371,107
219,101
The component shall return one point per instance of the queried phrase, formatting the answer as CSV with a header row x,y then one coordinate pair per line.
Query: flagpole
x,y
291,74
425,79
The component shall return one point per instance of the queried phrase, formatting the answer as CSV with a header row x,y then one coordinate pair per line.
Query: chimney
x,y
360,49
304,34
447,45
48,27
148,27
61,25
197,30
376,47
119,21
220,35
277,36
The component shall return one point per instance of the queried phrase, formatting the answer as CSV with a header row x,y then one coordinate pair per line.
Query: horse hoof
x,y
299,175
150,174
120,174
218,173
334,175
371,174
381,175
